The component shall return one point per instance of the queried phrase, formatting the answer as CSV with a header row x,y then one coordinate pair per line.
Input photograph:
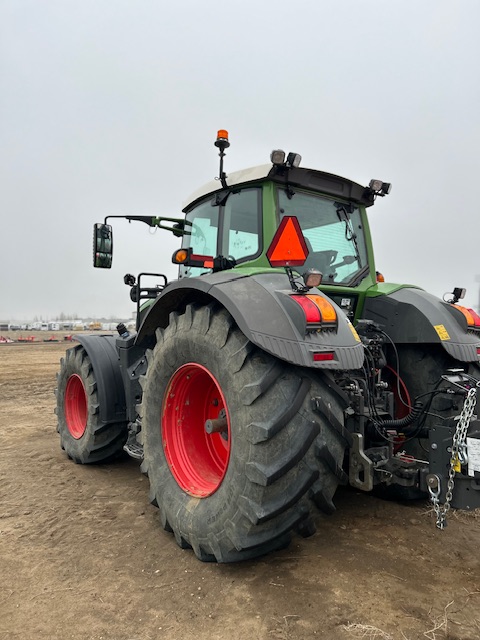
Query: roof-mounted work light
x,y
380,188
277,157
294,159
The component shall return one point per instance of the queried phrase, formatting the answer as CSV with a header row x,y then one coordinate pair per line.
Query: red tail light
x,y
318,310
312,312
475,316
471,316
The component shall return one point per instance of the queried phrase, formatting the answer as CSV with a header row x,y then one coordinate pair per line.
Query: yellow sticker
x,y
354,331
442,332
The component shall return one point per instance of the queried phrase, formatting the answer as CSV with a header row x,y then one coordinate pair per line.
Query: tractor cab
x,y
230,225
235,220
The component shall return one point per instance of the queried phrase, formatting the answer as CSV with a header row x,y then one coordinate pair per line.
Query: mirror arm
x,y
156,221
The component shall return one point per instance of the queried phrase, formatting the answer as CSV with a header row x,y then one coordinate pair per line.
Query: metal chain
x,y
459,455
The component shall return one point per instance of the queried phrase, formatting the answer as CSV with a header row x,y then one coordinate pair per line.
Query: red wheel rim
x,y
198,460
76,406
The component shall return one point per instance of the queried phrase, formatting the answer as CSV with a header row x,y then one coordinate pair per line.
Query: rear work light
x,y
318,311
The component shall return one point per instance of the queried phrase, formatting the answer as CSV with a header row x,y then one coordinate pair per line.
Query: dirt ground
x,y
83,556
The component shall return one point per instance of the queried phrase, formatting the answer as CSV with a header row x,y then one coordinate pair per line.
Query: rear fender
x,y
263,310
413,316
103,354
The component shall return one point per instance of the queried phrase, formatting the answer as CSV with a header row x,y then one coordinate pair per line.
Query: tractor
x,y
278,366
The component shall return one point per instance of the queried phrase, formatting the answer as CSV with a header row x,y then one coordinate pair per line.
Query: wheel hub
x,y
76,408
196,430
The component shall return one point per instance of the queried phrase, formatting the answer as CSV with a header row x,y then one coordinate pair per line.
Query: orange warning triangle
x,y
288,247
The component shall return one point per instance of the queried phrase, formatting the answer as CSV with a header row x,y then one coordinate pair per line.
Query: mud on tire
x,y
279,452
83,436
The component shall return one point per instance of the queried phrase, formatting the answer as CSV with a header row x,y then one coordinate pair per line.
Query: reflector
x,y
202,261
288,247
323,356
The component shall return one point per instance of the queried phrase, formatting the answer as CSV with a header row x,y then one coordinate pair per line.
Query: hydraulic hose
x,y
412,417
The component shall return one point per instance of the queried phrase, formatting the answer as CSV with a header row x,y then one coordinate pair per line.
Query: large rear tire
x,y
239,492
83,436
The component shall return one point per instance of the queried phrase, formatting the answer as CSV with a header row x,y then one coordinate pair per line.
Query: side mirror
x,y
102,246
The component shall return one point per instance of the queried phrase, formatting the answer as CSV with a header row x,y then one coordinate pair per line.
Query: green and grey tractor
x,y
278,366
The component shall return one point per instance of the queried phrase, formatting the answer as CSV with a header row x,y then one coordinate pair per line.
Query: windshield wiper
x,y
343,213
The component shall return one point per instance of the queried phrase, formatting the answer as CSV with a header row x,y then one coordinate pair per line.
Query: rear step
x,y
134,450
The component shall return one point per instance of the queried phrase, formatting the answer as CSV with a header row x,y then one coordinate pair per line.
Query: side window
x,y
231,230
201,225
242,224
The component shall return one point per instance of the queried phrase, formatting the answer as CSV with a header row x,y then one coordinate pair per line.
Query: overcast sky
x,y
111,107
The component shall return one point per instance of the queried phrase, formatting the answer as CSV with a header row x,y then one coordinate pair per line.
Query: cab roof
x,y
310,179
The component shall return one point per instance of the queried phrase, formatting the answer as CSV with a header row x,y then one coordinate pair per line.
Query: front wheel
x,y
83,436
235,447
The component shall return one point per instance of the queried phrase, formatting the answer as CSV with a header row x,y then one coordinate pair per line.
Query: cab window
x,y
230,229
242,224
333,233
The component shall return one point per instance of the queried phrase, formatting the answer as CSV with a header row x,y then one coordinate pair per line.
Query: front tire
x,y
240,491
84,437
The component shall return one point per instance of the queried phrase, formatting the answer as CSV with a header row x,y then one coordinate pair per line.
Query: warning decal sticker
x,y
473,449
354,331
442,332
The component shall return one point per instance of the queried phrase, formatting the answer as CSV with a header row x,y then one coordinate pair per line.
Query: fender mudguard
x,y
262,307
412,316
103,354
